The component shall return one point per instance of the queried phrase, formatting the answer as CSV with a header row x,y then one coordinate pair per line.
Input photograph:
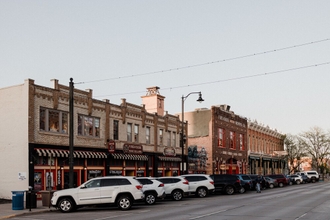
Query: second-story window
x,y
221,138
147,135
168,138
241,142
174,139
161,137
115,129
129,132
232,140
136,133
88,126
53,121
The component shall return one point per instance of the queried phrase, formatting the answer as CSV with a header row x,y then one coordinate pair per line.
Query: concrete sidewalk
x,y
6,210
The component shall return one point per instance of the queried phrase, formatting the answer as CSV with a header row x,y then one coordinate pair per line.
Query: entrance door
x,y
67,181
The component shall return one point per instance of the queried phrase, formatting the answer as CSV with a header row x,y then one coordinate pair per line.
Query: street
x,y
297,202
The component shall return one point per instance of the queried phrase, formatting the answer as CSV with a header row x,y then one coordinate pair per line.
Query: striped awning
x,y
65,153
177,159
130,157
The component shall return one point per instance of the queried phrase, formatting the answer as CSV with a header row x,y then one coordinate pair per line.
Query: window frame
x,y
45,121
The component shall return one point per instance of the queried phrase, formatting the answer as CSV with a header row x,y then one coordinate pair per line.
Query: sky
x,y
268,60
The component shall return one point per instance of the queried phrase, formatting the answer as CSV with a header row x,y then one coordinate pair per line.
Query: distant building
x,y
217,141
266,150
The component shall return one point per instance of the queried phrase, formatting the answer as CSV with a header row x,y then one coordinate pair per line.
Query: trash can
x,y
17,200
30,199
46,196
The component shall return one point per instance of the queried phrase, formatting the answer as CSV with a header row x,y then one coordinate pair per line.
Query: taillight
x,y
238,181
212,182
161,185
185,182
139,187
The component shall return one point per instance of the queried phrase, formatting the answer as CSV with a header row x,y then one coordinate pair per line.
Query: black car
x,y
246,182
226,183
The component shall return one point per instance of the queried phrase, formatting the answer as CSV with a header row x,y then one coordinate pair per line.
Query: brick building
x,y
266,150
109,139
217,141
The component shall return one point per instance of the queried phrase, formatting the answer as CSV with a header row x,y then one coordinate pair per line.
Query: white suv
x,y
200,184
119,190
313,176
175,186
152,189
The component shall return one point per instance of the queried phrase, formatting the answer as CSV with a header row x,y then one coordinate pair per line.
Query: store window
x,y
160,136
168,138
53,121
174,139
232,140
221,138
88,126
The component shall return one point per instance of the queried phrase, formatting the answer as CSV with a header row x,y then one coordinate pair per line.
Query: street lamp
x,y
200,99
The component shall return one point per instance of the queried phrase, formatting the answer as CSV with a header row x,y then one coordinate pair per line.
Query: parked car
x,y
120,190
313,176
226,183
270,182
246,182
152,189
281,179
254,177
175,187
200,184
296,179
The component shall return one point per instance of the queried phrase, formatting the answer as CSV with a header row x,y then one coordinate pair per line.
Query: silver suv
x,y
200,184
152,189
175,187
119,190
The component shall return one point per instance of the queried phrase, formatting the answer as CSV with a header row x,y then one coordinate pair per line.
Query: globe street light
x,y
183,137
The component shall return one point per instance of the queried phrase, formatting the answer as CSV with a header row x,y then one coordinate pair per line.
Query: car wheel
x,y
298,182
313,180
177,195
290,183
271,186
229,190
150,198
124,202
66,205
242,190
201,192
280,184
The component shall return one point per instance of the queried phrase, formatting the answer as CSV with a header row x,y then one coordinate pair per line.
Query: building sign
x,y
115,172
132,149
111,146
58,177
169,151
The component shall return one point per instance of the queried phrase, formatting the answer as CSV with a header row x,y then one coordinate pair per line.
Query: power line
x,y
230,79
207,63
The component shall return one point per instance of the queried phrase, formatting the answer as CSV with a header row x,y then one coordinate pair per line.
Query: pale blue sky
x,y
98,40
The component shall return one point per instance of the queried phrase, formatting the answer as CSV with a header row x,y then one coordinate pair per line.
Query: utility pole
x,y
71,134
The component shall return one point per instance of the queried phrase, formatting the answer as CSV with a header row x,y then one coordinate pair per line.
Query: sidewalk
x,y
6,210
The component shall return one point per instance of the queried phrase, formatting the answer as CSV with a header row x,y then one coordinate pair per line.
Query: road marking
x,y
202,216
301,216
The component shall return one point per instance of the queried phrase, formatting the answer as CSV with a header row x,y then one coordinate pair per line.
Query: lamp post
x,y
200,99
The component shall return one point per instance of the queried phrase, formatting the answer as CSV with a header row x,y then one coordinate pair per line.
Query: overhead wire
x,y
207,63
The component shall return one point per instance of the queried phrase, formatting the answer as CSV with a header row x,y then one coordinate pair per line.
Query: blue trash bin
x,y
17,200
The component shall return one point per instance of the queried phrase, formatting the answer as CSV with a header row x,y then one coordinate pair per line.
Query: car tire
x,y
177,195
150,198
201,192
66,205
124,202
280,184
229,190
242,190
271,186
298,182
313,180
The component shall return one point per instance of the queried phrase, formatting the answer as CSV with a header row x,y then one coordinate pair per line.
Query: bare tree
x,y
317,145
295,153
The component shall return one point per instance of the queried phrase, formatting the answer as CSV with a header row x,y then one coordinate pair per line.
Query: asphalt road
x,y
297,202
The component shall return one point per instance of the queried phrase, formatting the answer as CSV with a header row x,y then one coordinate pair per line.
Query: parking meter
x,y
30,192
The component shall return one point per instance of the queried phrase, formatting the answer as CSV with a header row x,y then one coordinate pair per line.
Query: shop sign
x,y
115,172
111,146
169,151
59,177
132,149
94,171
